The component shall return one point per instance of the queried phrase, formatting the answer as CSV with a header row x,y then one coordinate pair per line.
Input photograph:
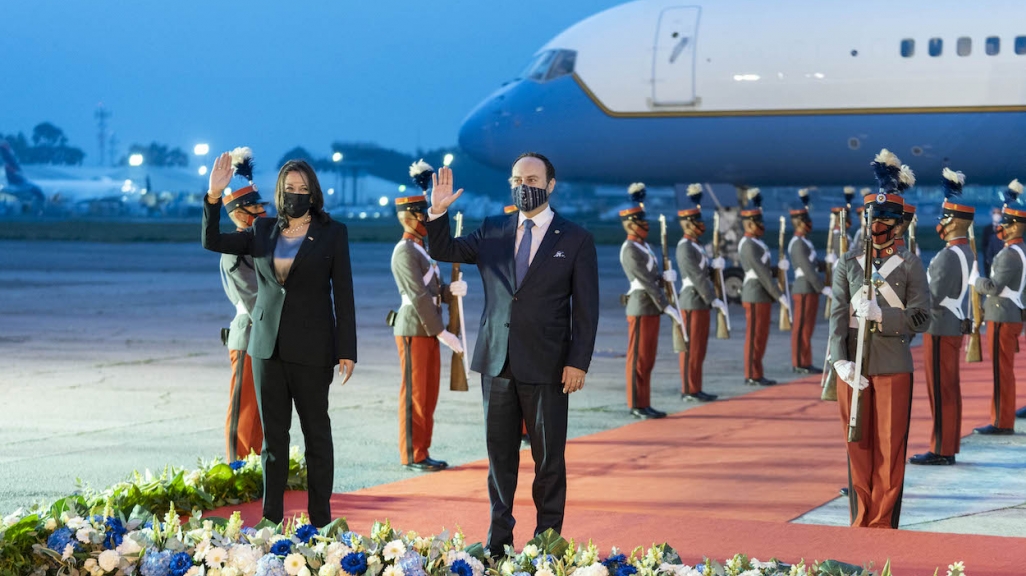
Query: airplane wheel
x,y
733,280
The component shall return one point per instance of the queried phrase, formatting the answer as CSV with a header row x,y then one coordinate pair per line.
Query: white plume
x,y
240,155
694,189
867,191
908,177
753,192
887,157
956,177
803,192
419,167
849,189
1015,186
636,187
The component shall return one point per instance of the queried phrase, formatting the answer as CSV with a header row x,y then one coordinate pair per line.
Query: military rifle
x,y
458,372
865,333
974,349
722,319
785,311
668,287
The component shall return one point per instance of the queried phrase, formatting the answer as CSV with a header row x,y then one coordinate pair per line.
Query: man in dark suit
x,y
540,275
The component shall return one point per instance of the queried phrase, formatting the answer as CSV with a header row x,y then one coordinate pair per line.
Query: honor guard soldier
x,y
807,287
418,327
880,327
759,290
697,297
646,302
1003,310
948,275
243,431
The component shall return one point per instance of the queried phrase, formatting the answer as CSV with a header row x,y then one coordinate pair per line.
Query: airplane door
x,y
673,66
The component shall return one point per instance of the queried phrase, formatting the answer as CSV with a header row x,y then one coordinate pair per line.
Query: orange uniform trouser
x,y
876,464
1003,341
805,308
242,430
693,357
941,356
757,323
420,364
642,343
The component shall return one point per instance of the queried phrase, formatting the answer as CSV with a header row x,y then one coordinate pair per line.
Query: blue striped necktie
x,y
523,259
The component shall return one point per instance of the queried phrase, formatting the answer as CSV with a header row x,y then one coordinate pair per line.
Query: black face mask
x,y
296,205
527,198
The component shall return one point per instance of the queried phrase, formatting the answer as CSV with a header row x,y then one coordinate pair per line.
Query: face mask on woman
x,y
296,205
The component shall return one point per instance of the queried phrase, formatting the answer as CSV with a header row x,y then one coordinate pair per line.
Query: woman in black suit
x,y
304,323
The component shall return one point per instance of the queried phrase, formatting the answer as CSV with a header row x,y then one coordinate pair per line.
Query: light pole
x,y
336,157
202,150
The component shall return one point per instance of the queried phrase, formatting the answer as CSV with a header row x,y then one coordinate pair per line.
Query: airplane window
x,y
1020,45
539,66
936,46
563,64
993,45
964,47
908,48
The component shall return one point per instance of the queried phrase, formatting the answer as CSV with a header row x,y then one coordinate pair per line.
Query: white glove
x,y
458,288
450,340
827,291
783,265
718,263
831,258
845,370
784,302
918,251
675,314
974,275
670,275
869,310
720,305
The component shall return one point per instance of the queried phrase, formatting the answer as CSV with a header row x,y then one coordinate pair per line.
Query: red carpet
x,y
718,479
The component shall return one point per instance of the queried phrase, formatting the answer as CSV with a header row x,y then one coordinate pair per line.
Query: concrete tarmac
x,y
110,362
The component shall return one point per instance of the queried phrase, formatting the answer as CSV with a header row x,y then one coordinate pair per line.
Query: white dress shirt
x,y
541,226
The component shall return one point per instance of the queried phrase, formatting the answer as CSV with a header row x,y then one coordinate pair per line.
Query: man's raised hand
x,y
442,195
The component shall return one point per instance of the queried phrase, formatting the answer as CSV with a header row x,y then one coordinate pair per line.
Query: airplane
x,y
28,196
756,93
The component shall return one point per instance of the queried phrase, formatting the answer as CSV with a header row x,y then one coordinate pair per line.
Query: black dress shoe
x,y
843,491
428,465
991,429
931,459
656,413
806,370
525,440
646,413
1021,412
760,382
699,397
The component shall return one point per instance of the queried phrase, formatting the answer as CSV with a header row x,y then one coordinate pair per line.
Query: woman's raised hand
x,y
442,195
221,174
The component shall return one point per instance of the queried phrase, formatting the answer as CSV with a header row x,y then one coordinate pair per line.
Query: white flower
x,y
544,572
393,571
304,571
215,572
11,519
216,557
192,478
373,565
244,558
90,564
394,549
83,535
51,524
128,546
75,523
329,569
195,571
956,569
334,553
752,572
294,562
531,551
69,551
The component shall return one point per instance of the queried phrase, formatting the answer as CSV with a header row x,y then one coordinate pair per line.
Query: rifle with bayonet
x,y
785,311
865,332
668,287
722,319
974,349
828,279
912,234
458,372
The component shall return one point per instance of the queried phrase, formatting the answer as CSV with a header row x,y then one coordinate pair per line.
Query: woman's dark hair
x,y
316,196
550,170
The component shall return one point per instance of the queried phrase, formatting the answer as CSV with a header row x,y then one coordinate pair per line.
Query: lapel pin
x,y
557,231
310,238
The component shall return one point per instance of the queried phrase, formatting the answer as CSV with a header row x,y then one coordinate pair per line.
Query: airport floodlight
x,y
135,160
383,201
447,160
336,157
402,188
127,186
202,170
331,191
363,215
201,149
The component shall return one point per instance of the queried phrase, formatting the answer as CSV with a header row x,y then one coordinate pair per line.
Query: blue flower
x,y
547,558
281,547
270,565
521,574
461,568
626,570
156,563
180,564
60,539
237,464
248,531
115,533
347,538
355,563
306,532
618,559
412,564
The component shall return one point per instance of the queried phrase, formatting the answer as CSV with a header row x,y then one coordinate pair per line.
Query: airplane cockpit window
x,y
1020,45
936,46
993,45
550,65
964,47
908,48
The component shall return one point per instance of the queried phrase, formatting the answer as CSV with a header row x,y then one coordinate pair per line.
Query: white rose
x,y
304,571
531,551
128,547
51,524
90,564
329,570
83,535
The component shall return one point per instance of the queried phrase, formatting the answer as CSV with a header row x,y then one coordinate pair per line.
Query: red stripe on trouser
x,y
876,464
642,343
1003,342
943,385
757,319
805,307
243,412
420,365
693,358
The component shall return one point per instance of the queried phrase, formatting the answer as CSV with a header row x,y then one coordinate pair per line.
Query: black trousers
x,y
278,385
543,409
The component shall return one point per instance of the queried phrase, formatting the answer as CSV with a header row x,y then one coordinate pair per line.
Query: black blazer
x,y
298,315
551,320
